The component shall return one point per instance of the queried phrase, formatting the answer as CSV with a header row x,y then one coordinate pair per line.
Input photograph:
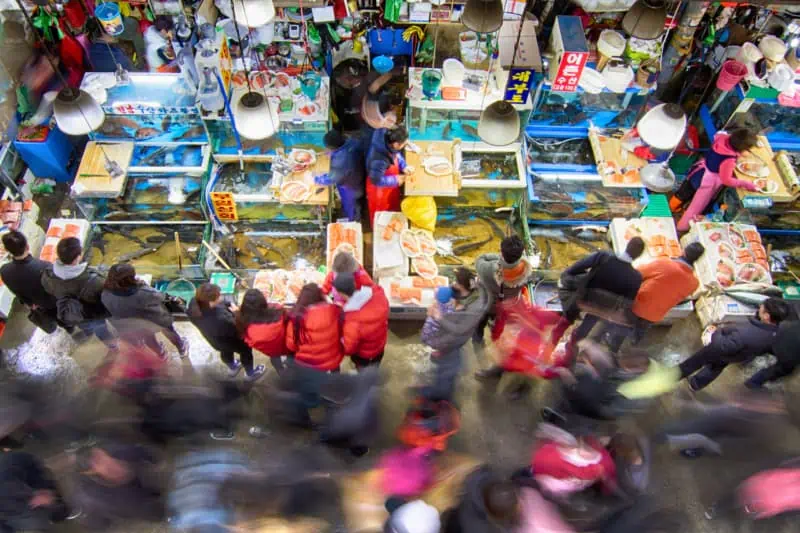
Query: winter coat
x,y
609,272
268,338
347,165
23,277
351,401
154,42
79,282
471,514
665,284
487,266
361,276
555,469
218,326
380,157
366,323
142,302
786,341
315,337
740,342
456,328
21,474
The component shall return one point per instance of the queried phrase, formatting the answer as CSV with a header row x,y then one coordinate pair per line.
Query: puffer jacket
x,y
139,302
740,342
380,157
361,276
268,338
366,323
315,338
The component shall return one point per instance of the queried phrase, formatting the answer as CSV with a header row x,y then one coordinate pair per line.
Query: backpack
x,y
69,311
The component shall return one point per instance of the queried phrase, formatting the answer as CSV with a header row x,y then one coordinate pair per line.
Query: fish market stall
x,y
142,177
734,272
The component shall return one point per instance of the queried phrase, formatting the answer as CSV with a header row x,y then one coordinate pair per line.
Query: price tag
x,y
224,206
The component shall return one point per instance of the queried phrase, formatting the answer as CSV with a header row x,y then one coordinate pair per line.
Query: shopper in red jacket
x,y
263,327
314,331
345,263
366,321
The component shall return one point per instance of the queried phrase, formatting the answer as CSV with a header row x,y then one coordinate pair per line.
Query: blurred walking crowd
x,y
142,443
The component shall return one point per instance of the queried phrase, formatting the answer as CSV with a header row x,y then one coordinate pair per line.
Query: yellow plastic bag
x,y
420,211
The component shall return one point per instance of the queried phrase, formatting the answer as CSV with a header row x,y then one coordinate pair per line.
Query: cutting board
x,y
611,159
92,179
765,154
420,183
320,194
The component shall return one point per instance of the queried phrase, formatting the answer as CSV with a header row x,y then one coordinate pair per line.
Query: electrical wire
x,y
264,85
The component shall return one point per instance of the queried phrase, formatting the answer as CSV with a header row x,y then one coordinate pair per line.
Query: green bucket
x,y
181,288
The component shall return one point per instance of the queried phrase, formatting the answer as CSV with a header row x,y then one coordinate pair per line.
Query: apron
x,y
383,198
710,185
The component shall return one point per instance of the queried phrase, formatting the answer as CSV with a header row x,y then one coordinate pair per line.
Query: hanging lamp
x,y
483,16
251,110
645,20
255,13
499,124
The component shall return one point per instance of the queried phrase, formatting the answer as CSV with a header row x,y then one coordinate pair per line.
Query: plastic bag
x,y
420,211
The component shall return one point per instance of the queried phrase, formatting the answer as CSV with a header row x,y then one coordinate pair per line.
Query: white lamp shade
x,y
662,130
254,13
255,118
499,124
77,113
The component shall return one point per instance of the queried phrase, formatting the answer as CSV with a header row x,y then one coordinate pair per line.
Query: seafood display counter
x,y
303,119
454,115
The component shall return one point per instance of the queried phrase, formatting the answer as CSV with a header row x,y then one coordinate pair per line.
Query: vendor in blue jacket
x,y
347,172
736,343
386,169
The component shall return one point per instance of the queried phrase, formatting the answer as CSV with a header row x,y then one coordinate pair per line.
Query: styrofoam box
x,y
650,225
716,309
379,247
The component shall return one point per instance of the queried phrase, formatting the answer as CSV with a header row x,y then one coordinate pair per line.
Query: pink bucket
x,y
731,73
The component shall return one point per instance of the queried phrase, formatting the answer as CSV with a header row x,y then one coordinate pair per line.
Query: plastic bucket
x,y
453,71
731,73
431,79
110,18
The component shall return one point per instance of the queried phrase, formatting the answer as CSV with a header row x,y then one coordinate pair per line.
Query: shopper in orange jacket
x,y
263,327
314,331
366,320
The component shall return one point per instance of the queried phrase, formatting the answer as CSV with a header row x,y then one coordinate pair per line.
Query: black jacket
x,y
471,515
139,302
610,273
23,277
21,474
786,346
740,342
85,287
218,326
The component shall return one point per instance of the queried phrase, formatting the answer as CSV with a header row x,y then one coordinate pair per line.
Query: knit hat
x,y
345,283
415,517
514,274
444,295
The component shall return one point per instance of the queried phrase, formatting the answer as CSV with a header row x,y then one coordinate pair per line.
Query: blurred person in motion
x,y
751,417
263,327
115,485
314,331
126,297
29,498
23,277
665,284
386,170
134,366
735,343
503,277
345,263
414,517
347,171
603,280
77,289
785,350
215,319
365,328
490,504
351,410
158,40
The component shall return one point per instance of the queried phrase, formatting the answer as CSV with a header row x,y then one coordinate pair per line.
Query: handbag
x,y
175,304
43,320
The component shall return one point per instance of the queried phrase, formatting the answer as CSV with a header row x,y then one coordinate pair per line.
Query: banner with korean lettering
x,y
569,71
519,85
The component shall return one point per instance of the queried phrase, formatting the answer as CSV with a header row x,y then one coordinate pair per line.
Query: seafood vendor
x,y
158,39
366,321
708,176
386,169
735,343
347,171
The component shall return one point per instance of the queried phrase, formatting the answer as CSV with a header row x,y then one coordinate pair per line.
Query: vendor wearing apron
x,y
708,176
386,169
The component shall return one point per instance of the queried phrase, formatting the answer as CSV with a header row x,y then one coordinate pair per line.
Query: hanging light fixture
x,y
255,12
252,108
645,20
499,124
483,16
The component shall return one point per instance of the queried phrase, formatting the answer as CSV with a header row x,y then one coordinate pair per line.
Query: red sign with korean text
x,y
569,71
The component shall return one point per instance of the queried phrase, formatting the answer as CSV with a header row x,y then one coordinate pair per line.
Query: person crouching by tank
x,y
503,277
345,263
365,328
263,327
347,171
215,319
124,296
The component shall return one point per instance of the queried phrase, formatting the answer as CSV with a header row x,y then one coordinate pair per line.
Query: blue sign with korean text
x,y
519,85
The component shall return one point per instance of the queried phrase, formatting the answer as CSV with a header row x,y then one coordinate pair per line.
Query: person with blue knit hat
x,y
444,304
